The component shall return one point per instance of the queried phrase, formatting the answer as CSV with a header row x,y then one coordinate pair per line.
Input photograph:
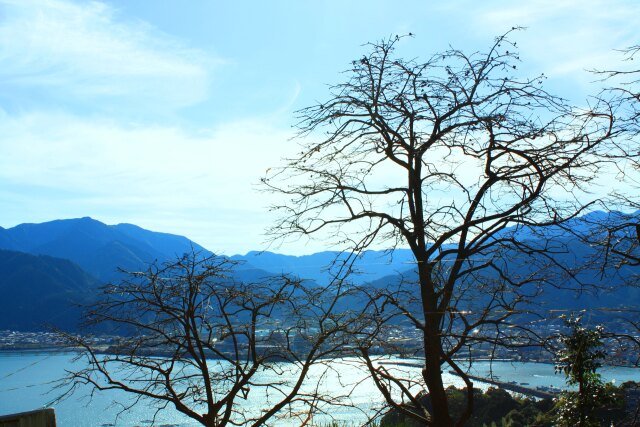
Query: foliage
x,y
494,406
579,360
499,408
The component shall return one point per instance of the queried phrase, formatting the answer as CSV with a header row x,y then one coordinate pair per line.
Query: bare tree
x,y
461,161
616,238
195,339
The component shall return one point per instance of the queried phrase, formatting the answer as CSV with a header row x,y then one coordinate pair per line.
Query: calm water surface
x,y
26,383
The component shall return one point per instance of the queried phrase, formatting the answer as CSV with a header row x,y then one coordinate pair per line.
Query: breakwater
x,y
510,386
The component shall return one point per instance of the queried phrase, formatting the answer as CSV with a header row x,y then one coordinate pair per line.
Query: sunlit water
x,y
26,381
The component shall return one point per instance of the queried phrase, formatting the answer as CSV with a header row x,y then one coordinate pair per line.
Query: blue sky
x,y
165,114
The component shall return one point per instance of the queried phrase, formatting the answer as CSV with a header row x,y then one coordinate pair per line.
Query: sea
x,y
30,380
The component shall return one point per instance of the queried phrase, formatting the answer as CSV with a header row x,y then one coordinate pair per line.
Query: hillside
x,y
40,291
98,248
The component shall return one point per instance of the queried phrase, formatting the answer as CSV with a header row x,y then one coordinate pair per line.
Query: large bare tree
x,y
195,339
462,161
616,237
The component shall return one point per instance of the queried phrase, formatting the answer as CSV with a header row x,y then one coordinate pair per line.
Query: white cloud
x,y
85,51
163,177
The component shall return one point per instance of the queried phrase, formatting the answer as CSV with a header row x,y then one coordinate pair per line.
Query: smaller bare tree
x,y
195,339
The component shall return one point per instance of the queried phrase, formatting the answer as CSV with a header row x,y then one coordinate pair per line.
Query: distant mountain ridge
x,y
369,266
373,265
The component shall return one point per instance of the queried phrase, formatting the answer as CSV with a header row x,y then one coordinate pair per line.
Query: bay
x,y
27,382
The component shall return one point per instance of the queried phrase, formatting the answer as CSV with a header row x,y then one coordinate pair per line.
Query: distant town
x,y
399,340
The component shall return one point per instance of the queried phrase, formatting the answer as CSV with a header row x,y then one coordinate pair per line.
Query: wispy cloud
x,y
83,50
566,37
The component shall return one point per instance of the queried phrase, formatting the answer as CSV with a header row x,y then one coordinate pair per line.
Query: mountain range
x,y
47,269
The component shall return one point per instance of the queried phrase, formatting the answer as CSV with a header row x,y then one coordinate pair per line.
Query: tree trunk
x,y
432,375
432,372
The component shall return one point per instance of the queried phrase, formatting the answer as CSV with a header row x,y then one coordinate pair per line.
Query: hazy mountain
x,y
373,265
39,290
370,266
